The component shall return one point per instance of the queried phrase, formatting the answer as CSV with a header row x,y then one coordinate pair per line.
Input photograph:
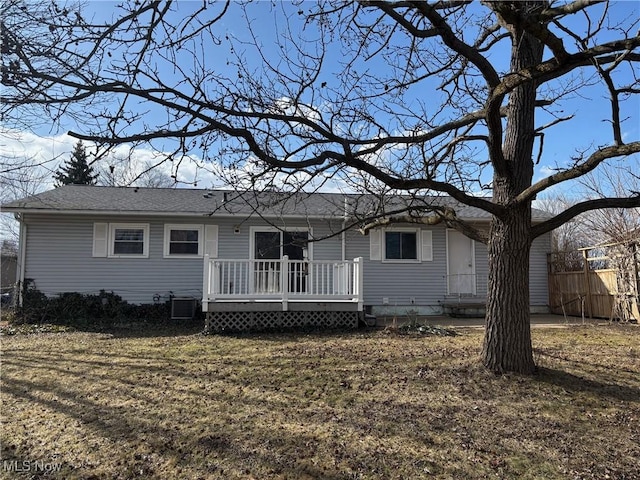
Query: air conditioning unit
x,y
183,308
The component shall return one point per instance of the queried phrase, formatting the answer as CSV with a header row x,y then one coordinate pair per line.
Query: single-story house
x,y
255,258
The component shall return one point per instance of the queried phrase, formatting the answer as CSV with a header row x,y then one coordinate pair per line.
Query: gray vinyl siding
x,y
59,256
59,259
237,246
426,283
399,283
539,284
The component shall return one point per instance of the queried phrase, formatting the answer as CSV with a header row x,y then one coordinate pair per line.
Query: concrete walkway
x,y
537,320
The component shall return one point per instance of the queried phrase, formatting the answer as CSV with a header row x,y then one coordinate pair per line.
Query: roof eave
x,y
140,213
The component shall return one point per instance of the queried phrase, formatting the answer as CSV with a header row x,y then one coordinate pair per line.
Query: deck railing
x,y
283,280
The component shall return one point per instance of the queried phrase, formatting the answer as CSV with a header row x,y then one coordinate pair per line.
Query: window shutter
x,y
211,240
375,244
427,245
100,235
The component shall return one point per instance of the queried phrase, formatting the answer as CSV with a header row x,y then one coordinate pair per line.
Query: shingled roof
x,y
197,202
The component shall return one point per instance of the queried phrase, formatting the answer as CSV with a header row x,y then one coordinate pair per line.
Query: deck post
x,y
284,282
205,283
359,280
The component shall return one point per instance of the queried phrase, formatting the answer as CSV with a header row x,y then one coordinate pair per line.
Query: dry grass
x,y
331,406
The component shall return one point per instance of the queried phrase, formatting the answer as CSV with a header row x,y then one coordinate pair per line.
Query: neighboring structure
x,y
8,274
248,252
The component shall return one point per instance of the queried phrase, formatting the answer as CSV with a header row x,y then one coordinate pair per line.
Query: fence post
x,y
587,279
635,261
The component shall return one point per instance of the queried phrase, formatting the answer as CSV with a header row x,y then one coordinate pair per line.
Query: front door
x,y
461,278
269,248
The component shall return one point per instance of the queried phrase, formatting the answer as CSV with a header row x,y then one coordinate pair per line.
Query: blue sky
x,y
588,130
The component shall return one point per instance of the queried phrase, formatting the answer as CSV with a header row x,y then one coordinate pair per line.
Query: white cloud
x,y
46,153
43,153
545,171
288,106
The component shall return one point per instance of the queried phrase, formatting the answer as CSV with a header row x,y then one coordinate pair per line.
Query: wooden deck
x,y
282,285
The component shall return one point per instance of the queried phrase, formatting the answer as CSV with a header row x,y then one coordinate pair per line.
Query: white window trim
x,y
417,231
252,238
145,241
183,226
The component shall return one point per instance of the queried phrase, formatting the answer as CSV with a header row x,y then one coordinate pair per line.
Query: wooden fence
x,y
589,282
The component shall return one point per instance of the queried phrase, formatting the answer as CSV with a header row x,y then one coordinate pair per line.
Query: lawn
x,y
372,404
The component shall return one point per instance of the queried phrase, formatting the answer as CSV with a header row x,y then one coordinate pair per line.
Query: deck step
x,y
465,310
370,320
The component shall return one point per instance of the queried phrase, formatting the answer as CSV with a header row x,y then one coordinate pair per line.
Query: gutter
x,y
138,213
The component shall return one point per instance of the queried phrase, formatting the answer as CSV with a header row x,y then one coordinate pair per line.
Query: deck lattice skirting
x,y
219,322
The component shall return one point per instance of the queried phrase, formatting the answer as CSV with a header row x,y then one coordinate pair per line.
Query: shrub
x,y
103,310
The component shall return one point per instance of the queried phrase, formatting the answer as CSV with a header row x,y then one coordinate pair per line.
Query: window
x,y
274,244
131,240
183,240
401,245
128,239
267,245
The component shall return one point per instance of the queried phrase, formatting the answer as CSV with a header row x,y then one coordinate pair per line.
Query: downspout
x,y
22,256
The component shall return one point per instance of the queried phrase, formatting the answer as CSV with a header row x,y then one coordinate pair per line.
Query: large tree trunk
x,y
507,342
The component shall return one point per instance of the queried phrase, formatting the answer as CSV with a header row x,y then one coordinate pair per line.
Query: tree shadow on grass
x,y
574,384
127,329
166,329
580,363
293,334
282,451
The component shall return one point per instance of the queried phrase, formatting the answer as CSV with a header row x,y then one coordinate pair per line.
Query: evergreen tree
x,y
76,170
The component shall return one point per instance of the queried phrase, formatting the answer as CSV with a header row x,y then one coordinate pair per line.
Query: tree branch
x,y
573,7
582,207
446,215
591,163
552,69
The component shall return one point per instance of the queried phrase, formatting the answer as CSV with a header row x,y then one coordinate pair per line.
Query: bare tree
x,y
19,178
614,225
452,97
570,235
594,227
118,171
